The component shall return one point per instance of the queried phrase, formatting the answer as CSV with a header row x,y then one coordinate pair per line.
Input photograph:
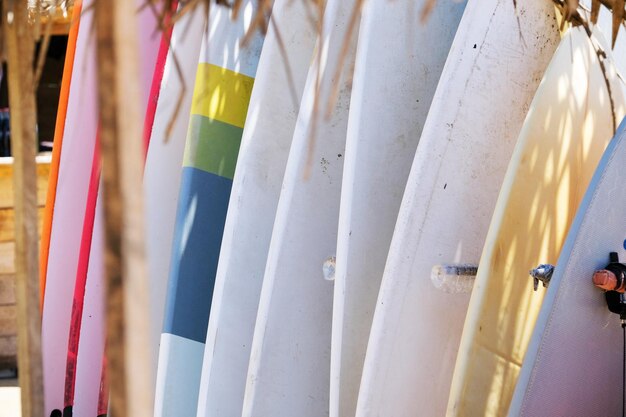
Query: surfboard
x,y
573,365
370,198
564,135
59,128
265,143
224,80
164,160
289,366
90,348
80,279
459,165
79,138
90,375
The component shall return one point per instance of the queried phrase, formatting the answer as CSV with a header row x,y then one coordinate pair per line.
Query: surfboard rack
x,y
454,278
328,269
612,279
542,273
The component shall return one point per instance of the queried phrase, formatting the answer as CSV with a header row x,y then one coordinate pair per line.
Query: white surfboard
x,y
290,359
380,147
564,135
164,159
573,365
258,177
458,169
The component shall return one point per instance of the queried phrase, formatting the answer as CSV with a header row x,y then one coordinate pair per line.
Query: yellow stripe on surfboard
x,y
221,94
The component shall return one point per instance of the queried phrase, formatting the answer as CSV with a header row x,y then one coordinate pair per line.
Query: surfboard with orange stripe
x,y
74,163
224,81
56,149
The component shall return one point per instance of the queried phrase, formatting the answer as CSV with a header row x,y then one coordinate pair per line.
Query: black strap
x,y
624,373
619,274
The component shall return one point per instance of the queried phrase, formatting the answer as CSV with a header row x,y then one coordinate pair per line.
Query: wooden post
x,y
20,54
128,353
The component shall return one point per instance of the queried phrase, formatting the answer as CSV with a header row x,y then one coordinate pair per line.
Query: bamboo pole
x,y
121,143
20,54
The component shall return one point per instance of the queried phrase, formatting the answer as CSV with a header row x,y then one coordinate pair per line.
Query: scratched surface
x,y
565,133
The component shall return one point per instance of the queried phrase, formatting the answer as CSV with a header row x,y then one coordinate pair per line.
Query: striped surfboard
x,y
75,166
164,158
59,128
90,346
86,256
224,81
86,338
256,188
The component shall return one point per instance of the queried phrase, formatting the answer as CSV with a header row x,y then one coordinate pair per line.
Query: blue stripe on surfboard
x,y
197,239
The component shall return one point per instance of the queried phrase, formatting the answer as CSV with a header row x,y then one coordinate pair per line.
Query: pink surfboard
x,y
86,338
90,352
79,138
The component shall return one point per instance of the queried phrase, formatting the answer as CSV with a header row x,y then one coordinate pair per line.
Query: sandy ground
x,y
10,399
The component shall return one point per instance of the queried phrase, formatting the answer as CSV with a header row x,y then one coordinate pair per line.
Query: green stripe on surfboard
x,y
212,146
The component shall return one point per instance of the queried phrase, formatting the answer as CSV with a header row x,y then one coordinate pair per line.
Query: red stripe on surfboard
x,y
157,78
103,396
86,239
59,129
81,278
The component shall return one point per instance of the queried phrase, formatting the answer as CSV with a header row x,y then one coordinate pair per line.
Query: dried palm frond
x,y
618,18
571,12
167,15
576,18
